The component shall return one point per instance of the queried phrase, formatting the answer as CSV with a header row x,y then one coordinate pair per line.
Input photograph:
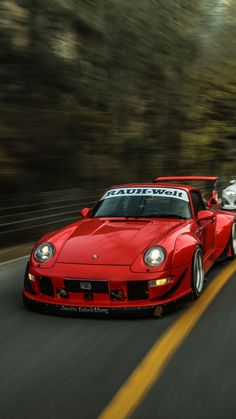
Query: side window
x,y
198,203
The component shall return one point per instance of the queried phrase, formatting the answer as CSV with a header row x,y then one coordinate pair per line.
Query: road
x,y
55,367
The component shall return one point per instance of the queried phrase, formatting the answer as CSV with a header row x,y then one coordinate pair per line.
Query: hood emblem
x,y
95,257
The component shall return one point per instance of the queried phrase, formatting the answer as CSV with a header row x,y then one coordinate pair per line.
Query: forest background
x,y
99,92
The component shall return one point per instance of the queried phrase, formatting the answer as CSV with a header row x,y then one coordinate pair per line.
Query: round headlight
x,y
155,256
44,252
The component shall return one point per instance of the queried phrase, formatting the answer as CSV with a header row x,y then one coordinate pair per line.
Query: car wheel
x,y
233,241
198,274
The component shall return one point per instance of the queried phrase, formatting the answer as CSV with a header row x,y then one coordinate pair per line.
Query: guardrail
x,y
26,222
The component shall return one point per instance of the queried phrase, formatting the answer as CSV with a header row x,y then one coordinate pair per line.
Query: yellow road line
x,y
149,370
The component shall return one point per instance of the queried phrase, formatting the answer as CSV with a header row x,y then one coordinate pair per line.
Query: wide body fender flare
x,y
185,246
224,224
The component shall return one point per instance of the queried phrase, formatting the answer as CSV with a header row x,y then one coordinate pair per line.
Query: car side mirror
x,y
85,212
205,215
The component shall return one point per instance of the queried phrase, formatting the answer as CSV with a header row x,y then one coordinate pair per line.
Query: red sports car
x,y
142,247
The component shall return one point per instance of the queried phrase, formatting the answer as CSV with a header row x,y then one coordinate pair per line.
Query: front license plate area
x,y
84,285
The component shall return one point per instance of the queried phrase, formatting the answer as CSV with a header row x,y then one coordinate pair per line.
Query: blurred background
x,y
99,92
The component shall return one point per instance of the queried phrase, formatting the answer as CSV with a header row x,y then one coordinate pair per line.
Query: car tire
x,y
198,274
233,241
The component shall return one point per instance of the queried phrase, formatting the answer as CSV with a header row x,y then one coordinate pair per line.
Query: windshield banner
x,y
166,192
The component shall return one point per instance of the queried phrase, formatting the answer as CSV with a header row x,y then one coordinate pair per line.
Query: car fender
x,y
58,239
224,222
168,243
185,246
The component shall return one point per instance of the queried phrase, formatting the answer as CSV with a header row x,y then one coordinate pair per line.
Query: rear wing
x,y
185,178
208,191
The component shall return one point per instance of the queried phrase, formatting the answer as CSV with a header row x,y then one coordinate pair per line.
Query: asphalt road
x,y
55,367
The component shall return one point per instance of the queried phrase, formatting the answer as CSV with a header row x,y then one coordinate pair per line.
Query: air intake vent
x,y
46,286
28,285
137,290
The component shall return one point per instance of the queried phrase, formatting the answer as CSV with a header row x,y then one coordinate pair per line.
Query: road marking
x,y
151,367
14,260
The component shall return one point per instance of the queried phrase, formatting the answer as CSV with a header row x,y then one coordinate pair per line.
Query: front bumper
x,y
58,291
155,310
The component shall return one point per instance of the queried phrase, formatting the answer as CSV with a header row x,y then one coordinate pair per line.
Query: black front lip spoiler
x,y
80,311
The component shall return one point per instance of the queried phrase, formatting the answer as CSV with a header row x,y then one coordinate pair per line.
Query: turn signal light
x,y
158,282
31,277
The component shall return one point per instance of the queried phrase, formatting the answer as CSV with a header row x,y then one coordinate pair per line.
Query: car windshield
x,y
143,202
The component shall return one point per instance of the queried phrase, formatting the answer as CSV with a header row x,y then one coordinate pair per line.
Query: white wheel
x,y
198,274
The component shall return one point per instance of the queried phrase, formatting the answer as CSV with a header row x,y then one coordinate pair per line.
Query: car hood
x,y
113,242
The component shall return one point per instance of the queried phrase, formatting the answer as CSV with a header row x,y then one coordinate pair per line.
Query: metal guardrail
x,y
27,222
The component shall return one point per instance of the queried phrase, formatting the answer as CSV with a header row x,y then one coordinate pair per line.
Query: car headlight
x,y
230,193
44,252
155,256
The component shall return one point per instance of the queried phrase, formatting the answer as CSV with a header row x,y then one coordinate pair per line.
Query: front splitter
x,y
156,310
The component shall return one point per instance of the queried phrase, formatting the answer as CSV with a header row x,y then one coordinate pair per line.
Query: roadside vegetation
x,y
95,92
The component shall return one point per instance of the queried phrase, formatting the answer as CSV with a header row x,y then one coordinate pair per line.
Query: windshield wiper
x,y
131,219
139,217
122,217
166,216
